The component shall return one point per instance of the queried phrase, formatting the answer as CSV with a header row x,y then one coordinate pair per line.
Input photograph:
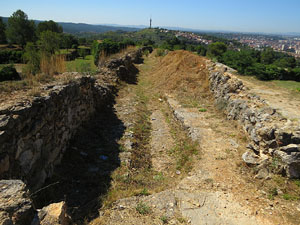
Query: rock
x,y
15,204
55,213
263,174
4,163
291,148
233,143
250,158
290,161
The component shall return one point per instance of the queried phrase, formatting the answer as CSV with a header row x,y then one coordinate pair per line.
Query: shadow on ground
x,y
84,174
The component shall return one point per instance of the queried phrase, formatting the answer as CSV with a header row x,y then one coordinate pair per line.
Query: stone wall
x,y
35,133
274,140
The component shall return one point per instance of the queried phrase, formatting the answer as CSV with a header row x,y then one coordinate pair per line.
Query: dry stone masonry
x,y
275,140
35,132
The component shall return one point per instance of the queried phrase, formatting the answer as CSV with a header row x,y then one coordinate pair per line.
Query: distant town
x,y
286,44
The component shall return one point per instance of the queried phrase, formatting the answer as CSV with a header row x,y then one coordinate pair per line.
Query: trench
x,y
83,177
84,173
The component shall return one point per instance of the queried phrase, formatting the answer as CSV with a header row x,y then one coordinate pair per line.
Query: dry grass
x,y
104,57
181,70
52,65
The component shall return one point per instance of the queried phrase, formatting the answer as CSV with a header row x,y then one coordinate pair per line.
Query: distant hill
x,y
75,28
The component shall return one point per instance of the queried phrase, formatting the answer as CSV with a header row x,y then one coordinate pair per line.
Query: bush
x,y
160,52
9,73
10,56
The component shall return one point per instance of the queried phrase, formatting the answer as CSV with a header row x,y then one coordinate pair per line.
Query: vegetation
x,y
10,56
9,73
48,26
2,32
20,30
143,208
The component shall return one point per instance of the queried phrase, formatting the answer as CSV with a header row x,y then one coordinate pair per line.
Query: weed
x,y
158,177
144,192
143,208
290,197
160,52
272,193
164,219
202,110
297,182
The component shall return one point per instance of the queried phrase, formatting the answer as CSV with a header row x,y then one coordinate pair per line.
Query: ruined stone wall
x,y
35,133
275,140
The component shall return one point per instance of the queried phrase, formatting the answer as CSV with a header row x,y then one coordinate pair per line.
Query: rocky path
x,y
214,190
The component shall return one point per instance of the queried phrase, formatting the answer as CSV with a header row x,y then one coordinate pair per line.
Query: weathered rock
x,y
290,161
15,204
250,158
262,174
290,148
53,214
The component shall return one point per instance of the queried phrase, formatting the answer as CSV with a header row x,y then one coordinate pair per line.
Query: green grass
x,y
202,110
291,85
82,65
143,208
290,197
65,51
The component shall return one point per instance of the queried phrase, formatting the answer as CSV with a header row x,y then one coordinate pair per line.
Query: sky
x,y
269,16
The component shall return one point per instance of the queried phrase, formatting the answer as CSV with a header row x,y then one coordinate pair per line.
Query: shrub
x,y
9,73
10,56
160,52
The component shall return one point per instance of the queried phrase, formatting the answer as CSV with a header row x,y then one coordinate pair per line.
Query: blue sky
x,y
232,15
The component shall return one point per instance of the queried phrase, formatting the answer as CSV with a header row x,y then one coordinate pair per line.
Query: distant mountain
x,y
75,28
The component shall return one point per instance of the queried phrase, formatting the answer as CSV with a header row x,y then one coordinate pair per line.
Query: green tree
x,y
32,59
201,50
286,62
19,29
267,56
216,50
67,41
48,25
49,42
2,32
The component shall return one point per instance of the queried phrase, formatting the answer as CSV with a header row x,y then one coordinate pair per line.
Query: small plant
x,y
144,192
297,182
158,177
289,197
202,110
298,89
160,52
143,208
273,192
164,219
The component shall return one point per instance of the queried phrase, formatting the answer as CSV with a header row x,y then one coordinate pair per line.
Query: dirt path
x,y
196,174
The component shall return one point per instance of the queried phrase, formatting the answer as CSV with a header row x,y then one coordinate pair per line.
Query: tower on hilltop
x,y
150,22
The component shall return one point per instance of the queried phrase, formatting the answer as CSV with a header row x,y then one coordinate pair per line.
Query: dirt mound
x,y
181,70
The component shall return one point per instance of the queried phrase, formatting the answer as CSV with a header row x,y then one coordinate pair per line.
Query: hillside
x,y
75,28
